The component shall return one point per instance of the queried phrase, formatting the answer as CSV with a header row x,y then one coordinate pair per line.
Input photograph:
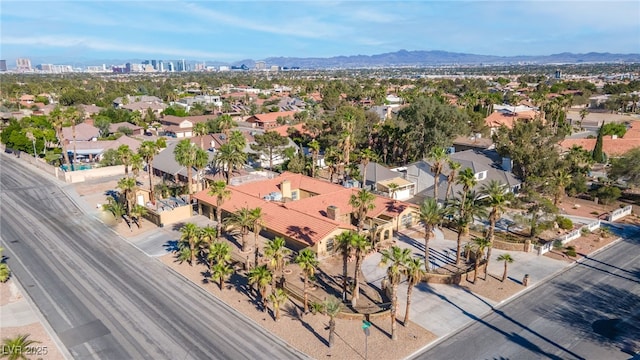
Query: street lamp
x,y
33,141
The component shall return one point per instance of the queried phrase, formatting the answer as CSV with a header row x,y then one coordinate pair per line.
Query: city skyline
x,y
233,31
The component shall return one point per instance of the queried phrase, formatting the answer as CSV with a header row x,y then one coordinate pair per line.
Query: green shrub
x,y
557,244
594,213
585,231
571,251
564,223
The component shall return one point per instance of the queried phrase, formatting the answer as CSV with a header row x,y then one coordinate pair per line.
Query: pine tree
x,y
598,155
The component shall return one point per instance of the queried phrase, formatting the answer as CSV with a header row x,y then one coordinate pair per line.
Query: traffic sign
x,y
365,324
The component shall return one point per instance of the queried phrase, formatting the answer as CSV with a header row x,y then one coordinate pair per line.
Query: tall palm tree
x,y
361,245
278,298
366,156
507,260
454,166
219,190
136,164
243,220
228,158
138,212
261,276
189,155
128,186
332,308
220,272
395,258
431,214
15,348
414,272
148,150
201,129
480,244
189,242
561,179
225,124
314,148
438,156
277,252
308,263
58,120
73,116
125,154
343,242
257,219
496,200
363,201
393,190
467,179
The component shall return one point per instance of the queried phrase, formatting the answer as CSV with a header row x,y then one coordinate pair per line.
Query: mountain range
x,y
401,58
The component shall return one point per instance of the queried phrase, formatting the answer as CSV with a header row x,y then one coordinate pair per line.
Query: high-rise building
x,y
3,65
23,64
170,67
154,64
160,66
261,65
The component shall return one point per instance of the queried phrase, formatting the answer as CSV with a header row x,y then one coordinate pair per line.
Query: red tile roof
x,y
270,117
283,130
610,146
500,118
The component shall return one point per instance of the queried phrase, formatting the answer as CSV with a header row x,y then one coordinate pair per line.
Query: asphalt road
x,y
103,297
587,312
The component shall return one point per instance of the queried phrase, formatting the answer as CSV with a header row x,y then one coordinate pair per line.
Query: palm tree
x,y
137,212
343,241
507,260
115,208
243,220
278,298
208,235
307,261
366,156
220,272
128,186
361,245
136,164
314,148
58,120
451,178
189,155
393,189
189,242
363,201
497,201
148,150
414,274
276,251
218,252
332,308
201,129
431,215
225,124
15,348
261,276
468,180
438,155
229,158
561,179
125,154
257,222
481,244
219,190
395,258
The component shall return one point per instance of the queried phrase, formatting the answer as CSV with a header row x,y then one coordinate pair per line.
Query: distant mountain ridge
x,y
398,58
437,57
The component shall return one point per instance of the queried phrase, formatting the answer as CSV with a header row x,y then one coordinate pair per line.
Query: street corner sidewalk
x,y
17,313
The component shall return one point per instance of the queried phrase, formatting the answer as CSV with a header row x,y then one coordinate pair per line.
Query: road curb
x,y
41,319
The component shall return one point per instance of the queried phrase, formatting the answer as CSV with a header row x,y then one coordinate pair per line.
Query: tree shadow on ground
x,y
296,312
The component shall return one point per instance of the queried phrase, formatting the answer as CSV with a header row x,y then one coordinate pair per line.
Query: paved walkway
x,y
18,313
443,309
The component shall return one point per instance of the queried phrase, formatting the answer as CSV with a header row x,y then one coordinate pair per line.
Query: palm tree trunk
x,y
394,305
277,307
427,237
406,311
193,253
436,181
219,220
446,195
255,244
492,226
504,274
306,296
73,128
220,283
150,171
356,280
476,268
189,182
332,330
263,297
245,243
64,149
345,275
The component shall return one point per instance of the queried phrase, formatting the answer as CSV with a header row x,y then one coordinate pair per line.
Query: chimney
x,y
285,188
89,121
614,136
333,212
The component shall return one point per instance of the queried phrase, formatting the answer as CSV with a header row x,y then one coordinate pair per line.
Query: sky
x,y
229,31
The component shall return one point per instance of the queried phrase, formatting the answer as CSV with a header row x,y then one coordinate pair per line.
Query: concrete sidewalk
x,y
442,309
18,313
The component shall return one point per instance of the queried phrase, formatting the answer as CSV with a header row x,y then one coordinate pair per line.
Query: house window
x,y
481,175
294,195
407,220
330,245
